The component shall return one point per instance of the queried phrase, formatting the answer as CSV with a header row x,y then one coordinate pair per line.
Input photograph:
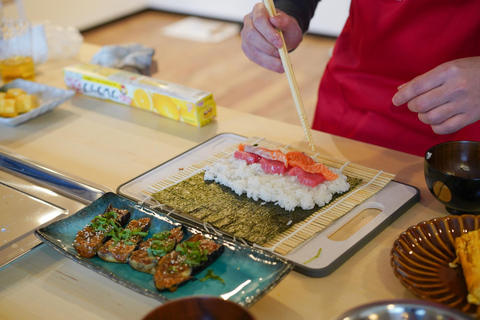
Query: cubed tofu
x,y
16,101
13,93
26,102
7,108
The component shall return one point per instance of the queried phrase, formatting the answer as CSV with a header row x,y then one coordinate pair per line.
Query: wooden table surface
x,y
109,144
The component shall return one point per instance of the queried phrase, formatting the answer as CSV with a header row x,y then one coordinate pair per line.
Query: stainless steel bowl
x,y
403,310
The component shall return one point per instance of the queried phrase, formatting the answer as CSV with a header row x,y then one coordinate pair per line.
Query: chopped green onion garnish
x,y
211,275
315,257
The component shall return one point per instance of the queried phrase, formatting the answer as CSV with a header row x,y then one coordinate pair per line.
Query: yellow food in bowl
x,y
16,101
468,256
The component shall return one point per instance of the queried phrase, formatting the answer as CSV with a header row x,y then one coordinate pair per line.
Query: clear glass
x,y
16,52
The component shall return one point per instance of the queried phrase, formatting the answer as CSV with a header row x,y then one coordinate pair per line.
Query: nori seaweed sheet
x,y
254,221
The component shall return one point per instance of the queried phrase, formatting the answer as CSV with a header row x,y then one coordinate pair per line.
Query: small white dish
x,y
49,97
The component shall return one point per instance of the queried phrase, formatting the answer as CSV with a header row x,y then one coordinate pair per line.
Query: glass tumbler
x,y
16,51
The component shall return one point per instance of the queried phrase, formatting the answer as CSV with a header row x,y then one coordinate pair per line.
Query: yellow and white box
x,y
174,101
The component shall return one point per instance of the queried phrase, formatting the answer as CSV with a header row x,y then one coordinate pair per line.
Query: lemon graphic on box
x,y
142,100
165,106
188,112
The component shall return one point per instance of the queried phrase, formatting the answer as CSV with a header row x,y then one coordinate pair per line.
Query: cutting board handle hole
x,y
355,224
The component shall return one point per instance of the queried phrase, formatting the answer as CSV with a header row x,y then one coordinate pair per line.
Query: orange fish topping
x,y
292,159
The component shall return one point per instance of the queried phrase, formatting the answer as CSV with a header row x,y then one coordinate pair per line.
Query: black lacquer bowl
x,y
452,174
201,308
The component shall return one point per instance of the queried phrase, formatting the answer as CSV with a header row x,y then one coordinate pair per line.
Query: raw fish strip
x,y
265,153
306,178
273,166
294,157
318,168
300,159
291,159
247,156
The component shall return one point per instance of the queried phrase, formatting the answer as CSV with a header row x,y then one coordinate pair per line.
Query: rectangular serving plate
x,y
393,200
248,273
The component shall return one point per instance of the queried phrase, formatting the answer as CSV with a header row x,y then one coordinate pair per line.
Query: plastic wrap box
x,y
174,101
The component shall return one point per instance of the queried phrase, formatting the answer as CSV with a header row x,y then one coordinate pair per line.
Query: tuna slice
x,y
306,178
299,159
273,166
250,158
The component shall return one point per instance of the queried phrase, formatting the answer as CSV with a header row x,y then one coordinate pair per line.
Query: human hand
x,y
261,41
447,97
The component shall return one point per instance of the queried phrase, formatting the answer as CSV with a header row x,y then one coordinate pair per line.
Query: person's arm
x,y
301,10
260,39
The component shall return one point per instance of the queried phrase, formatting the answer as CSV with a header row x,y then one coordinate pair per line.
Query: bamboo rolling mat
x,y
372,182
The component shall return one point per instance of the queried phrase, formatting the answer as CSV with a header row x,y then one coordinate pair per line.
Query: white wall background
x,y
328,20
83,14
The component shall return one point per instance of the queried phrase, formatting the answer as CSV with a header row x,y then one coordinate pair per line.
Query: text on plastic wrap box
x,y
174,101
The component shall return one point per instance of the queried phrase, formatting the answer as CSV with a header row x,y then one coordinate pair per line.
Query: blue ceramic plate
x,y
248,273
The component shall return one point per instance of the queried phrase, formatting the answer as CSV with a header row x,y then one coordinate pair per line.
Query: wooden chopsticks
x,y
287,65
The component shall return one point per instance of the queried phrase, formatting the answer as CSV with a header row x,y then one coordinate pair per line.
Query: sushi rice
x,y
284,190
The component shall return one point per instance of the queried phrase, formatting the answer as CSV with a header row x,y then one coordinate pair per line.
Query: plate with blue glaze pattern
x,y
248,273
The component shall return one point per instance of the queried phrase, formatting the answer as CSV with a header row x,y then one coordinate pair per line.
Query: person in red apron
x,y
404,74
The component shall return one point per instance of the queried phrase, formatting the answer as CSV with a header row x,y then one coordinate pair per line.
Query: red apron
x,y
386,43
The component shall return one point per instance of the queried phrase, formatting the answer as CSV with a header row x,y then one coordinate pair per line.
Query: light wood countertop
x,y
109,144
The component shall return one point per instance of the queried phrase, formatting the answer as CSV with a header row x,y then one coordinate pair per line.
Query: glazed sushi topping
x,y
188,259
107,223
161,244
100,229
127,234
193,252
119,248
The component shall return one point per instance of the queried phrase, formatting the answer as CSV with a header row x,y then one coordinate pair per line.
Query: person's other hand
x,y
447,97
260,40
